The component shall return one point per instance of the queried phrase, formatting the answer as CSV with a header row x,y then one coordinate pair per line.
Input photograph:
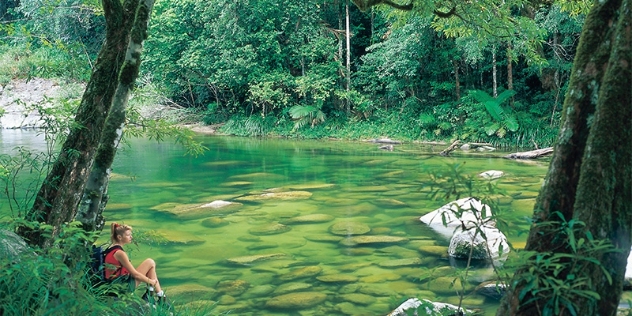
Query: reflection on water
x,y
313,228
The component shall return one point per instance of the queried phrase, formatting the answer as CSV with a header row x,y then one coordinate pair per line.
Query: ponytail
x,y
117,229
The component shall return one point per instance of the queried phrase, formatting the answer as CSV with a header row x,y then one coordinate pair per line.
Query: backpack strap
x,y
108,251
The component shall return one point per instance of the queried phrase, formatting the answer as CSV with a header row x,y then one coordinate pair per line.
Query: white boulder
x,y
493,245
464,213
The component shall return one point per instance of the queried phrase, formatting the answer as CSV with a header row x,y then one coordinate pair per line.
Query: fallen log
x,y
530,154
447,151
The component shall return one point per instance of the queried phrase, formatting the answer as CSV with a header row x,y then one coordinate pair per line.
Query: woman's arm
x,y
121,256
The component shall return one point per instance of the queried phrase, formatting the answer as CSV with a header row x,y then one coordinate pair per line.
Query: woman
x,y
117,263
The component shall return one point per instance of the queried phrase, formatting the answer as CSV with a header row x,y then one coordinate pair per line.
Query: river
x,y
285,239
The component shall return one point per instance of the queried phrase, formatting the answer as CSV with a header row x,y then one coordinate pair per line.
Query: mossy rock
x,y
174,237
257,175
337,278
191,292
304,272
374,188
309,219
311,186
324,238
246,260
279,196
381,278
349,228
199,210
259,291
358,298
269,229
236,184
232,287
390,203
262,245
214,222
373,240
439,251
291,287
400,263
445,285
300,300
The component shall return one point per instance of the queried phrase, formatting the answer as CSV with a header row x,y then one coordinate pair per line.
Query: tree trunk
x,y
95,194
510,73
348,37
494,81
590,175
59,196
457,83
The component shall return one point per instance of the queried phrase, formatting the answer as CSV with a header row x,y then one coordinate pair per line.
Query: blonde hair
x,y
118,230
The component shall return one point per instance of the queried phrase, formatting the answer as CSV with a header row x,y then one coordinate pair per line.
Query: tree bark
x,y
590,174
58,198
494,81
95,194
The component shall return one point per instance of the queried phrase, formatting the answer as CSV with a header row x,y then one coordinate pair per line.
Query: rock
x,y
232,287
262,245
214,222
493,246
337,278
400,263
378,239
304,272
349,228
12,245
311,186
427,308
390,203
472,213
281,196
491,289
324,238
291,287
439,251
200,210
308,219
299,300
491,174
245,260
270,229
358,298
191,292
259,291
174,237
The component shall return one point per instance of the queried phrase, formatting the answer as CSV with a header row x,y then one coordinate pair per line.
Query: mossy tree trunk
x,y
95,194
590,175
59,196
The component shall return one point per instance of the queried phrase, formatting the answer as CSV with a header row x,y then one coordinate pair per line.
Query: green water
x,y
205,254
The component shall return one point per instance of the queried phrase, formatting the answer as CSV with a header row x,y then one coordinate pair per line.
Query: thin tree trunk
x,y
494,81
510,72
95,194
589,176
348,36
457,83
58,198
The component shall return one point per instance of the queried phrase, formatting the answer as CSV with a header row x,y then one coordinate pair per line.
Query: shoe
x,y
162,301
148,296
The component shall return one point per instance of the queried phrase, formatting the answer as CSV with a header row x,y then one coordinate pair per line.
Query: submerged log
x,y
530,154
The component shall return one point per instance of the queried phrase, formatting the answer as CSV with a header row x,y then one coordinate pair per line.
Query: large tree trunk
x,y
58,199
589,177
95,194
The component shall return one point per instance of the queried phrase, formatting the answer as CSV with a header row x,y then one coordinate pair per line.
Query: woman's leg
x,y
148,268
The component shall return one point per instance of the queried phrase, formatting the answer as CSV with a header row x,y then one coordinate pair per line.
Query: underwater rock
x,y
493,246
427,308
389,203
378,239
308,219
337,278
192,292
214,222
323,238
304,272
298,300
262,245
439,251
259,291
254,258
400,263
291,287
232,287
236,184
349,228
281,196
199,210
473,213
358,298
174,237
270,229
311,186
